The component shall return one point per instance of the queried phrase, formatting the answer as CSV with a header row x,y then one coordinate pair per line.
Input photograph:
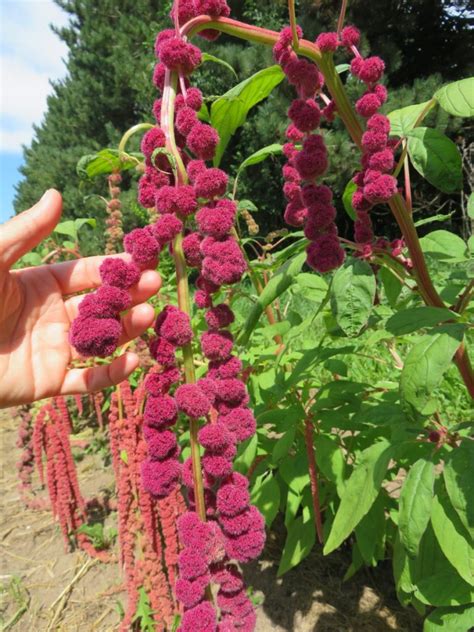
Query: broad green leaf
x,y
370,532
246,455
391,284
330,460
279,282
457,98
460,619
426,364
107,161
84,221
415,504
360,492
444,588
266,497
294,471
283,445
247,205
30,259
342,68
304,368
452,538
230,110
299,542
221,62
408,320
470,206
347,196
458,478
260,156
67,228
404,119
352,295
443,245
436,158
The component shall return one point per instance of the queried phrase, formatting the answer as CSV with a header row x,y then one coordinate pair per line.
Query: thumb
x,y
25,231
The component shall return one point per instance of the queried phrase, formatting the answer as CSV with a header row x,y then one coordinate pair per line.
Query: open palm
x,y
36,310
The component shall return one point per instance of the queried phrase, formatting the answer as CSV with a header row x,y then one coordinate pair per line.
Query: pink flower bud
x,y
327,42
194,99
192,564
160,383
180,200
202,618
163,352
180,56
192,250
174,326
190,593
192,401
142,246
211,183
152,140
305,114
231,391
194,168
325,254
215,437
368,105
209,387
95,337
381,190
203,141
160,477
217,221
295,214
219,316
240,422
371,69
250,519
373,141
161,411
167,228
379,123
217,465
382,160
217,345
161,445
225,369
232,499
245,547
159,76
350,36
186,120
119,273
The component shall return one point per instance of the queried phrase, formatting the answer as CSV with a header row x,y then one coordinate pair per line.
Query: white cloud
x,y
30,55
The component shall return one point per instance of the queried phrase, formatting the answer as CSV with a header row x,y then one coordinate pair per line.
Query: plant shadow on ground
x,y
313,598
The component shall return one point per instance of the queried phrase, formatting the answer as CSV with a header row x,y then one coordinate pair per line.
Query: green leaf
x,y
330,460
299,542
443,245
434,218
260,156
230,110
444,588
450,619
457,475
283,445
457,98
352,295
470,206
84,221
436,158
279,282
221,62
342,68
266,497
360,492
246,455
294,471
247,205
425,366
415,504
370,532
391,284
403,120
351,188
452,538
30,259
415,318
67,228
106,161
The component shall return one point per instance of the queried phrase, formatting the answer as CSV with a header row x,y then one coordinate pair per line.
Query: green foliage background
x,y
108,89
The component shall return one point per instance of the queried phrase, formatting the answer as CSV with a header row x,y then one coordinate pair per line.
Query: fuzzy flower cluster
x,y
97,329
161,470
375,184
309,203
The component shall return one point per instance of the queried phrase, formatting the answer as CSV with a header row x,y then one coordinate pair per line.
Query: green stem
x,y
349,117
130,132
184,303
293,24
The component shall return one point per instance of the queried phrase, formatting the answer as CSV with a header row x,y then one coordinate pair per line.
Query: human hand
x,y
36,314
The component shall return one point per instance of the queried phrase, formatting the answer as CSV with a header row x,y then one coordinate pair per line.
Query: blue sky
x,y
30,56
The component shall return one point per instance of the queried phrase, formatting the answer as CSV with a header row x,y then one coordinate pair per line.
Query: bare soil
x,y
45,588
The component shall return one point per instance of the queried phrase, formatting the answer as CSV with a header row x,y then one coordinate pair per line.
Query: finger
x,y
147,286
82,274
100,377
25,231
136,321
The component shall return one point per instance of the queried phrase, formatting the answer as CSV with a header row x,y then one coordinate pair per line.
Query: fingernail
x,y
45,194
